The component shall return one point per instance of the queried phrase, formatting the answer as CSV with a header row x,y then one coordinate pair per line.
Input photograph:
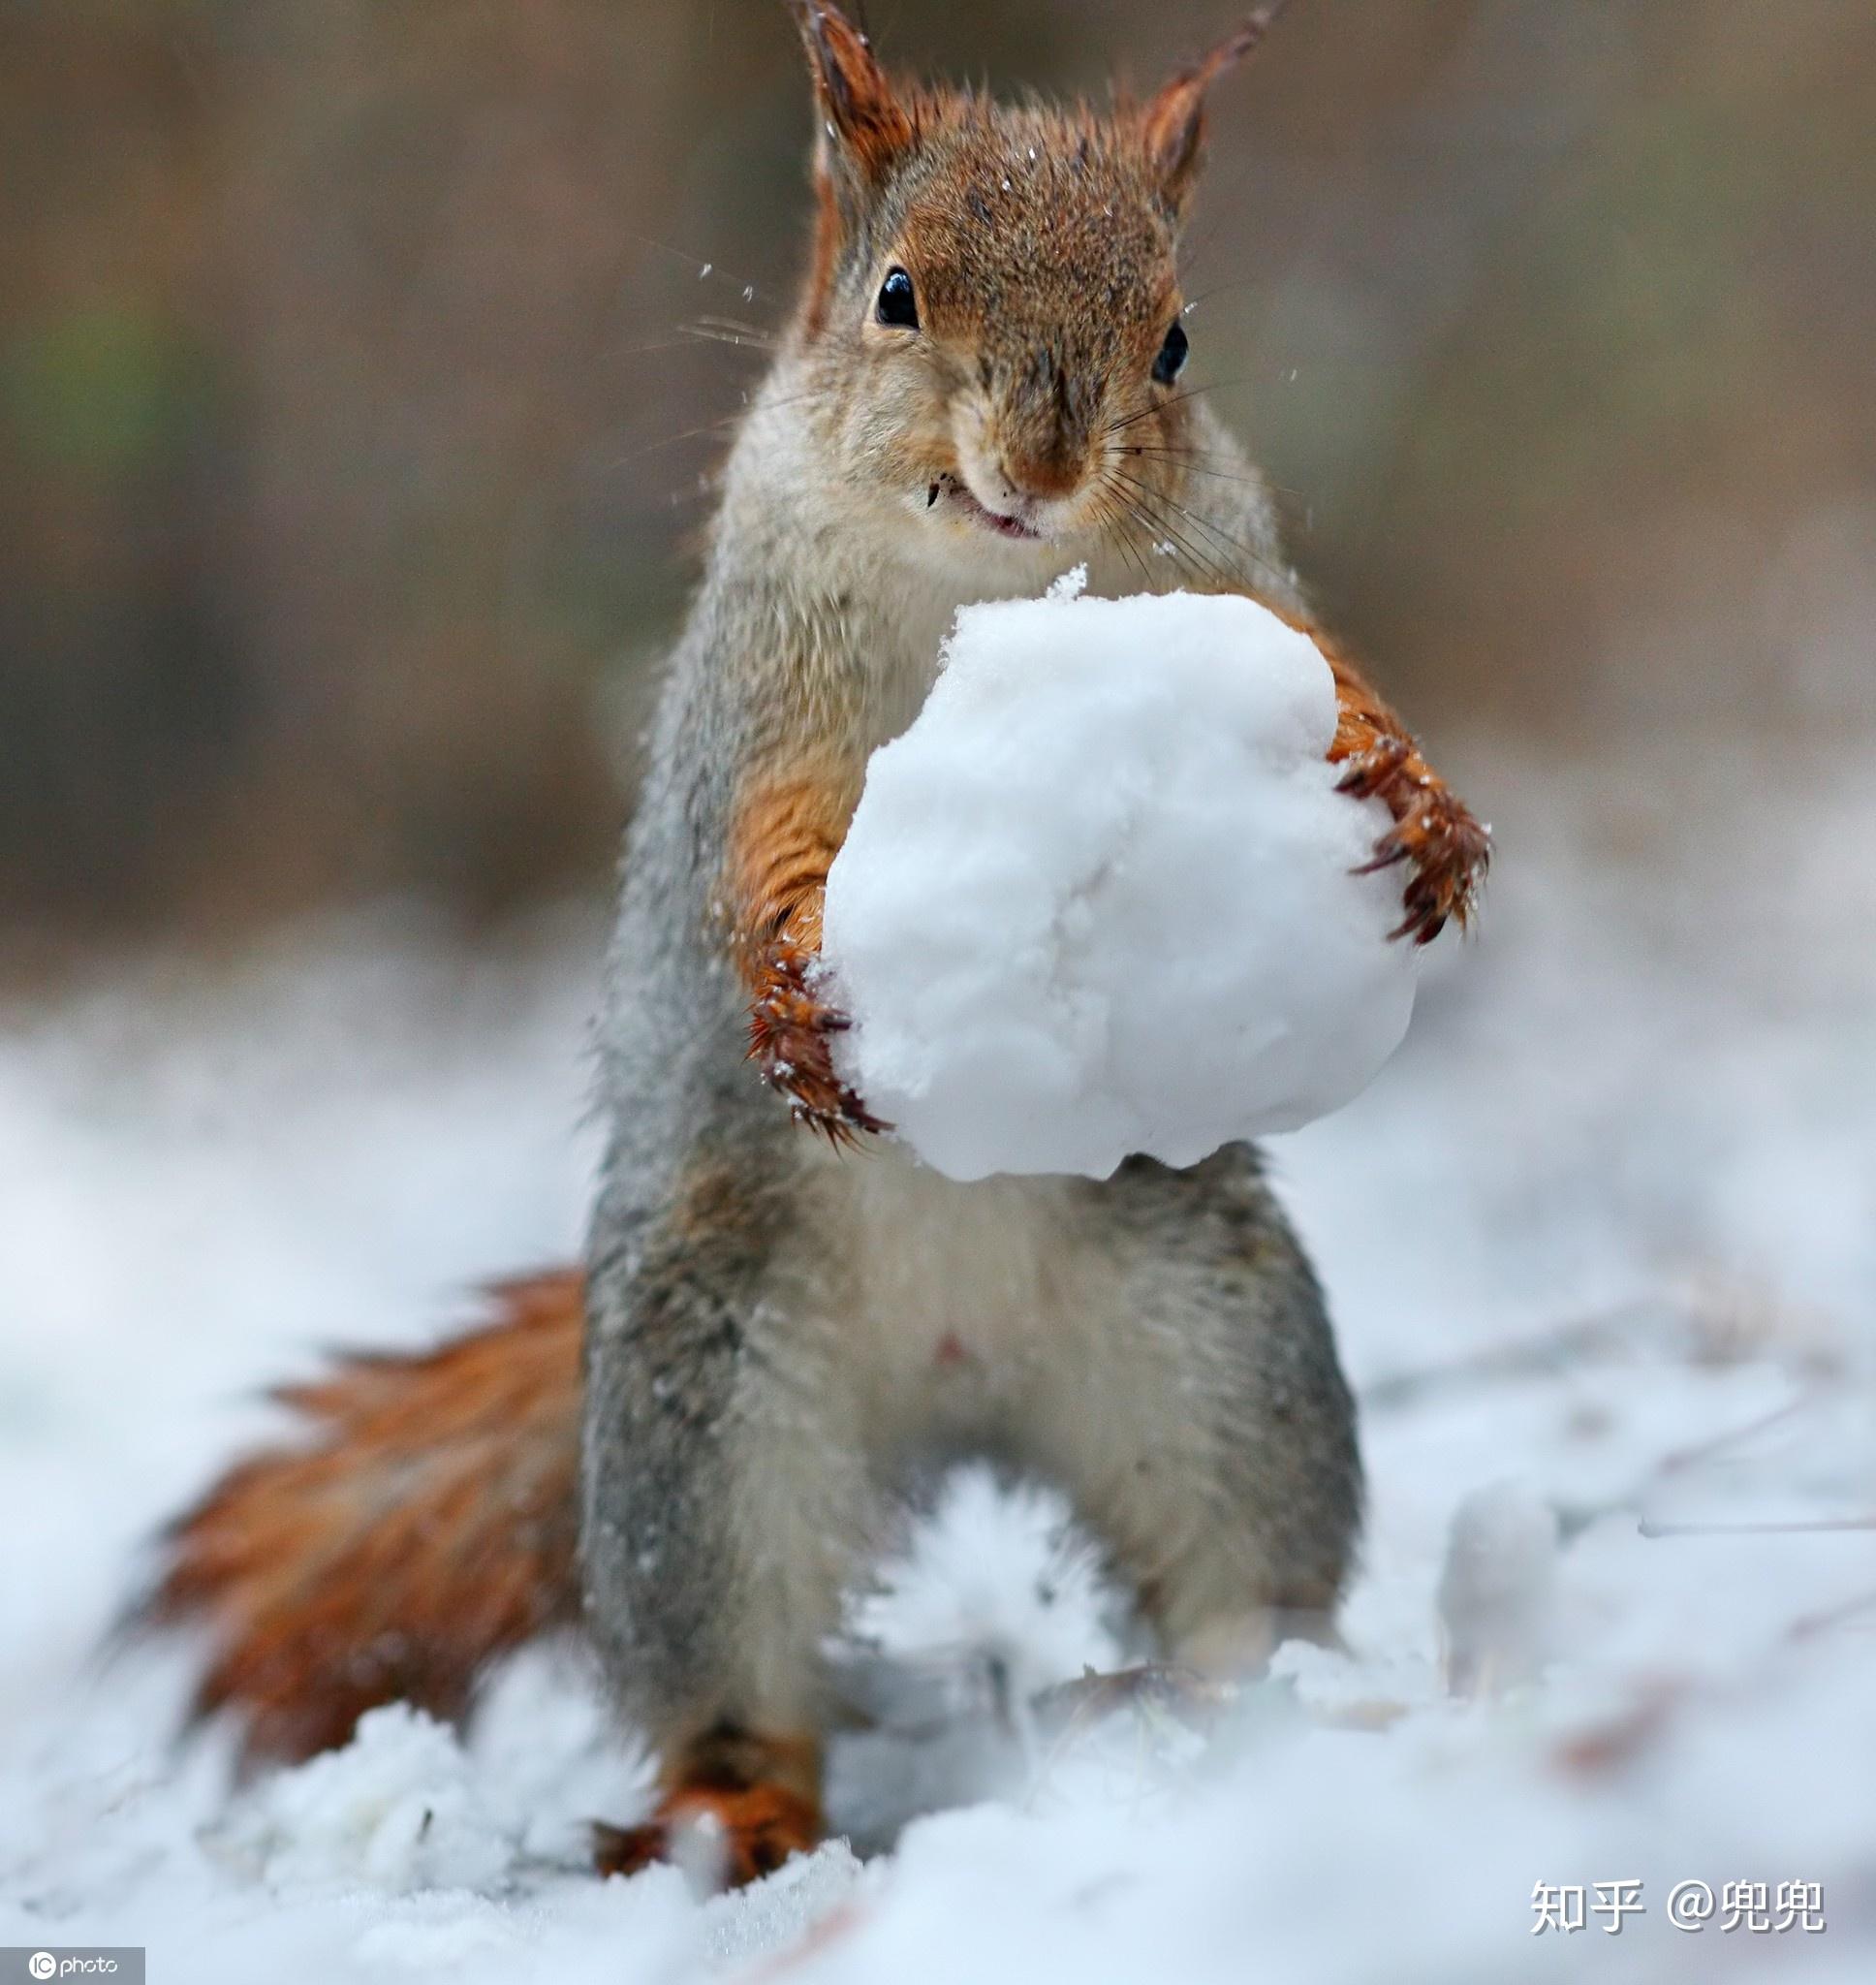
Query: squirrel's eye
x,y
1170,362
896,303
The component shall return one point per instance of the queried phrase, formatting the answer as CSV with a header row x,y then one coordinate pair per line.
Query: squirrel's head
x,y
993,318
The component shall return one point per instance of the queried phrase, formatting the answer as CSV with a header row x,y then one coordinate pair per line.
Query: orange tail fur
x,y
427,1526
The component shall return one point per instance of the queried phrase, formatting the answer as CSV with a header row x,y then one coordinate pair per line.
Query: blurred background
x,y
355,420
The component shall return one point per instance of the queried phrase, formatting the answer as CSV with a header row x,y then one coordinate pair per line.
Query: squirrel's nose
x,y
1045,453
1052,470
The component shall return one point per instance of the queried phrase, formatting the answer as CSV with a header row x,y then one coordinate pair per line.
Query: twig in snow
x,y
1793,1527
1814,1624
1523,1357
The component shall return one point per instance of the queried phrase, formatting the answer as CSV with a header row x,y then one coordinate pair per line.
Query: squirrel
x,y
692,1450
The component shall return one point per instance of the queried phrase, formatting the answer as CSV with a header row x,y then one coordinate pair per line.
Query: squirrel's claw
x,y
1450,850
789,1032
1370,770
1388,850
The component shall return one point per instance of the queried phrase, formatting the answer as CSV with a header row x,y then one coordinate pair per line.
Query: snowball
x,y
1098,898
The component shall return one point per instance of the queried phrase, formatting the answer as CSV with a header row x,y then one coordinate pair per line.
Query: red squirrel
x,y
694,1448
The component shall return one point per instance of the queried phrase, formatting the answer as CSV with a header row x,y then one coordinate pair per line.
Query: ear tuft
x,y
1174,122
869,127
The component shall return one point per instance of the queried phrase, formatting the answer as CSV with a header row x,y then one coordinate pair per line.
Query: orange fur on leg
x,y
427,1525
785,840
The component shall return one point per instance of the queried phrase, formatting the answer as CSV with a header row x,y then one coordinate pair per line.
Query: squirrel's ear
x,y
864,125
1175,120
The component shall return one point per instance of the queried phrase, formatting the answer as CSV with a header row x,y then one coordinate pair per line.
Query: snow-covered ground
x,y
1605,1231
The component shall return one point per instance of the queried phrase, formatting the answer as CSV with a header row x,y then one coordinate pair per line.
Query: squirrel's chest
x,y
938,1295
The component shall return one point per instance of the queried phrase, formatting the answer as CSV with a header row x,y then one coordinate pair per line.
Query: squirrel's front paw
x,y
1450,850
791,1034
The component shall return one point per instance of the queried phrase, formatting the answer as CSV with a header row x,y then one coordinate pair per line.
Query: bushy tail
x,y
425,1526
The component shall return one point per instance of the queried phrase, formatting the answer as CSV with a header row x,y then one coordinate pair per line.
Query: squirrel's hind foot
x,y
747,1831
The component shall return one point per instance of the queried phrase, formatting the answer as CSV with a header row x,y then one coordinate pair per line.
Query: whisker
x,y
1206,566
1205,523
1255,559
714,320
723,425
1242,282
727,322
1165,406
1113,523
1216,565
1192,467
755,340
705,267
1191,456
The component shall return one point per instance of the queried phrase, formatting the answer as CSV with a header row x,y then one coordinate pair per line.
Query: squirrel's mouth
x,y
956,492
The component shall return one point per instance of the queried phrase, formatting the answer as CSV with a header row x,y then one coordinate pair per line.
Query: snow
x,y
1605,1230
397,1809
1497,1593
1100,896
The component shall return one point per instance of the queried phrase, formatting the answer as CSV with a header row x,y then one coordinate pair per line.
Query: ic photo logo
x,y
43,1965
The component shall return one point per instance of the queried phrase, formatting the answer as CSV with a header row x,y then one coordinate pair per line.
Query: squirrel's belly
x,y
946,1300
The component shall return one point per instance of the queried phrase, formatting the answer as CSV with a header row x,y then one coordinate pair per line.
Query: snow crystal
x,y
995,1600
396,1809
1099,899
